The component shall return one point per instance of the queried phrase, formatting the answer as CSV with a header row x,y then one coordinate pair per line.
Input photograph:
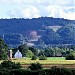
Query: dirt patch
x,y
49,66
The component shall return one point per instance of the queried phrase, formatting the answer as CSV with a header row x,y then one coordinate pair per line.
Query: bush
x,y
73,71
4,56
70,57
23,72
45,72
55,70
10,65
42,57
35,66
60,71
29,54
65,71
34,57
4,72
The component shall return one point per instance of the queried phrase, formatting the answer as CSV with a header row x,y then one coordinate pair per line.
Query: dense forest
x,y
48,31
20,25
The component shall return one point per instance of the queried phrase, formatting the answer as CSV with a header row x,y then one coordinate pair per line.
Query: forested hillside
x,y
20,25
39,31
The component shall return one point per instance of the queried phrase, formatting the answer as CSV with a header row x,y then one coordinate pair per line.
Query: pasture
x,y
50,60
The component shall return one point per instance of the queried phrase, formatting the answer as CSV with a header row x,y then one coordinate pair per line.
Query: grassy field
x,y
50,60
56,58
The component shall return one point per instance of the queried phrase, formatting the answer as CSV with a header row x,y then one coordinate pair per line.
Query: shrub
x,y
60,71
44,72
4,72
73,71
29,54
23,72
55,70
10,65
42,57
70,57
4,56
35,66
65,71
34,57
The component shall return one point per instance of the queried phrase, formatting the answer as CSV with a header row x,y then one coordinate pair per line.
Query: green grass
x,y
50,60
22,61
56,58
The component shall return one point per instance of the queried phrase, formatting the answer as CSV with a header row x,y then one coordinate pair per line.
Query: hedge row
x,y
52,71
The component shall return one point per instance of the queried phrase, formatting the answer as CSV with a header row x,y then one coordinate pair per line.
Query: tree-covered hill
x,y
18,31
21,25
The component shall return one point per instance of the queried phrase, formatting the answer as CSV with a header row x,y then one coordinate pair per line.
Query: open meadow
x,y
51,61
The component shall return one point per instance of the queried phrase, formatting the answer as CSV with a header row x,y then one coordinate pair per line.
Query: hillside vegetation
x,y
37,31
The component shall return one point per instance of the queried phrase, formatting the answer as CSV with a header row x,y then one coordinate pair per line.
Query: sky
x,y
37,8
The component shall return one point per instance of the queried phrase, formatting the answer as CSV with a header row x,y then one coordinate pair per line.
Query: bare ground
x,y
49,66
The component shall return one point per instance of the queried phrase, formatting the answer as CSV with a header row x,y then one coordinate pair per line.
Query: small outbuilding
x,y
18,54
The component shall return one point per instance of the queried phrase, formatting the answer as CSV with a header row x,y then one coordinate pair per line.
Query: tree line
x,y
31,51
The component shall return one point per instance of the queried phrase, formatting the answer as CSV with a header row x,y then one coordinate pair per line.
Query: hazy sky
x,y
37,8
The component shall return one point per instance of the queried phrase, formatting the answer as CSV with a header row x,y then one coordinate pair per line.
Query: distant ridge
x,y
21,26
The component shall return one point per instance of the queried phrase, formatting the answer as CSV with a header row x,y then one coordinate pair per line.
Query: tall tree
x,y
23,49
49,52
34,50
3,50
29,54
